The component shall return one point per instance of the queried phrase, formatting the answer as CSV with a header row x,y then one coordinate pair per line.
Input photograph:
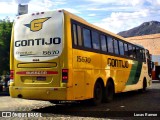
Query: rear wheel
x,y
109,92
97,94
54,102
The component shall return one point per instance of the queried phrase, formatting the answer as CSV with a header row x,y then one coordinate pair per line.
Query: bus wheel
x,y
97,94
54,102
109,92
144,86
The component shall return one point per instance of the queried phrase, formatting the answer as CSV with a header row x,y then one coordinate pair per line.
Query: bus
x,y
57,56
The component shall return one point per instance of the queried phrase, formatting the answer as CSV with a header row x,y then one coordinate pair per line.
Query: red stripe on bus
x,y
37,72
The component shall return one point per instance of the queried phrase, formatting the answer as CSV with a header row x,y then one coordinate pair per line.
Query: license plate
x,y
41,78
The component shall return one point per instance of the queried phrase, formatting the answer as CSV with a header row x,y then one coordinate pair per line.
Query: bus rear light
x,y
65,75
11,75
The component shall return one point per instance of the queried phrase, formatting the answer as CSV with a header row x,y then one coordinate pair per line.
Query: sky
x,y
112,15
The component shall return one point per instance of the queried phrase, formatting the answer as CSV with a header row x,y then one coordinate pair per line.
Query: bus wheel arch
x,y
98,92
109,91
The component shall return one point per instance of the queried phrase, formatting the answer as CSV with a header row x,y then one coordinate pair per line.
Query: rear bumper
x,y
40,93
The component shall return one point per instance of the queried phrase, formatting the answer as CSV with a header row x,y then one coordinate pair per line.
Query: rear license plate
x,y
41,78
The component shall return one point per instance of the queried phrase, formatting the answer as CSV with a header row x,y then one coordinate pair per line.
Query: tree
x,y
5,37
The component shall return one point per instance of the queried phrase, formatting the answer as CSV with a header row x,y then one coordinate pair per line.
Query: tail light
x,y
11,75
65,75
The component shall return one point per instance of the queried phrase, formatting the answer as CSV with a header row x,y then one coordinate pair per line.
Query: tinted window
x,y
87,38
79,35
121,48
95,40
138,53
116,50
103,43
110,44
126,49
134,52
75,34
130,50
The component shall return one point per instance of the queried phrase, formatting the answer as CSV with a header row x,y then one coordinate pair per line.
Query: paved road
x,y
125,103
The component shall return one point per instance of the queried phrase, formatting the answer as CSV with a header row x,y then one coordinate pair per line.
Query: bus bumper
x,y
40,93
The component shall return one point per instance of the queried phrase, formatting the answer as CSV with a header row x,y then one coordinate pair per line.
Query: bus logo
x,y
37,24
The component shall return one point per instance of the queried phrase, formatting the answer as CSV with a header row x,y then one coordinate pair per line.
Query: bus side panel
x,y
87,69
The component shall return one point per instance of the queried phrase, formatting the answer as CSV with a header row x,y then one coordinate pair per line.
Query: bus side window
x,y
138,53
87,38
121,48
130,50
79,35
144,56
134,52
74,30
126,49
141,54
110,44
116,50
95,40
103,43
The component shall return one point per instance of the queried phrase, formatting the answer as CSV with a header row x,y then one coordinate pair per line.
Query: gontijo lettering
x,y
117,63
37,41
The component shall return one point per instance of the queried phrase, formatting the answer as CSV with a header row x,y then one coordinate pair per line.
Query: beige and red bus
x,y
58,56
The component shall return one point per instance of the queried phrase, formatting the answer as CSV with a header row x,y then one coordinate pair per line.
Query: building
x,y
152,43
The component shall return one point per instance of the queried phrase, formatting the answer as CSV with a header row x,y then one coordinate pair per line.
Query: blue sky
x,y
112,15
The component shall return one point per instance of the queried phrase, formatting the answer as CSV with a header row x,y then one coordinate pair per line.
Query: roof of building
x,y
151,36
150,42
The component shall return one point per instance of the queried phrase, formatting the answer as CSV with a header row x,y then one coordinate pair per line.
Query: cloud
x,y
74,11
8,8
119,2
22,1
92,15
119,21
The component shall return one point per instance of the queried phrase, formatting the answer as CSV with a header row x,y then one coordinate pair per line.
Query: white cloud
x,y
74,11
22,1
119,21
113,15
8,7
118,2
92,15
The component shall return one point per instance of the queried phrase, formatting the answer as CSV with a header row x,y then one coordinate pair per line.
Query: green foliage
x,y
5,37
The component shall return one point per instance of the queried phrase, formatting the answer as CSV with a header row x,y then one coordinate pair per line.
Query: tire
x,y
54,102
97,98
109,92
144,88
